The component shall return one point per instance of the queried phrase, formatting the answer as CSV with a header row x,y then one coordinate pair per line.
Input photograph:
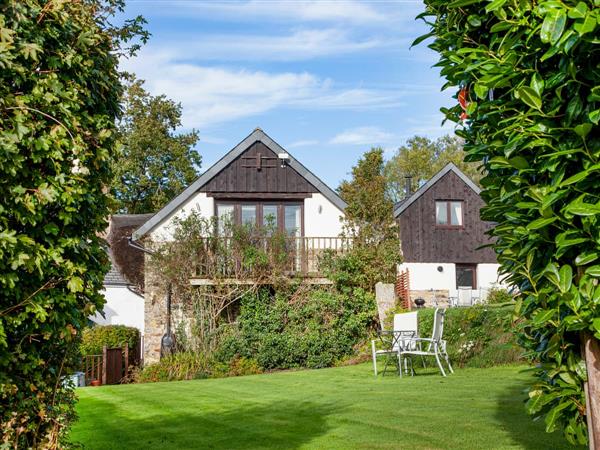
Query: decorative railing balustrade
x,y
227,257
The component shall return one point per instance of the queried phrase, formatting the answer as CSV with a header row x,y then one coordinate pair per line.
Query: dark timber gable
x,y
425,242
258,171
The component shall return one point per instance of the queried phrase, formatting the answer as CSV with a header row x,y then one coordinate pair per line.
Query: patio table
x,y
392,341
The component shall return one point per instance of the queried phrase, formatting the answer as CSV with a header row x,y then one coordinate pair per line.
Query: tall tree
x,y
421,158
59,98
369,221
155,164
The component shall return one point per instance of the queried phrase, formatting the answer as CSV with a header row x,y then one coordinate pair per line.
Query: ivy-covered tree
x,y
369,221
421,158
154,164
59,98
530,74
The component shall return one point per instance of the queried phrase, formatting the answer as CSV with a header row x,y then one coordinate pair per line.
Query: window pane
x,y
270,216
224,217
248,215
456,213
293,219
441,213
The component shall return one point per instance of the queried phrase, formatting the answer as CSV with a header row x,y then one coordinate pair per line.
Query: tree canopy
x,y
59,98
369,221
421,158
155,163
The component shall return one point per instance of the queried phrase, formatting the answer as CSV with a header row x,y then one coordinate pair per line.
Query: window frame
x,y
448,224
473,267
281,204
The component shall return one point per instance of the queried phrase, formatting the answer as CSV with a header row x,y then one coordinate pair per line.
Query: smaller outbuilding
x,y
442,235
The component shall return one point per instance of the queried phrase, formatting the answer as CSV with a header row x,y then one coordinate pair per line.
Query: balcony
x,y
247,260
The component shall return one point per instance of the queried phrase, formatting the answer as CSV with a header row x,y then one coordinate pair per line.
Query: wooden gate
x,y
403,289
109,368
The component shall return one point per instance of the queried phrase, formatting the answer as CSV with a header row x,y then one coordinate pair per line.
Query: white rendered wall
x,y
324,223
424,276
200,202
487,275
122,307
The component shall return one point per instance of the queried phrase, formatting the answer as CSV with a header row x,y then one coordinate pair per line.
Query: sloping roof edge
x,y
256,135
450,167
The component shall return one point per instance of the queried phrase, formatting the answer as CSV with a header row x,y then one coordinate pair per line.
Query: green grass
x,y
341,408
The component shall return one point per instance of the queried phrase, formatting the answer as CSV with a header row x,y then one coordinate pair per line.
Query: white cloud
x,y
211,95
299,45
322,10
302,143
362,136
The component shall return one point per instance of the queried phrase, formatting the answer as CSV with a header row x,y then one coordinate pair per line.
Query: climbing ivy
x,y
59,97
530,73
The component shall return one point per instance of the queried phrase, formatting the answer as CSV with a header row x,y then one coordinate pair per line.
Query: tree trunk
x,y
591,353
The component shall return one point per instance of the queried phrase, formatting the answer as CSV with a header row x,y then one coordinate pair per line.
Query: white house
x,y
255,183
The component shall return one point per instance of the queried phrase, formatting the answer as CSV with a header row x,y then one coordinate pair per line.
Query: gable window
x,y
282,216
449,213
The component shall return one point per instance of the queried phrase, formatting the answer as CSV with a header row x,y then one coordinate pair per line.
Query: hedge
x,y
96,337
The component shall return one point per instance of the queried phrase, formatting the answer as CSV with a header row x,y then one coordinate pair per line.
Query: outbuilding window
x,y
449,213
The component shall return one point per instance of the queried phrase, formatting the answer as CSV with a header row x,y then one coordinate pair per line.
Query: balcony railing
x,y
225,257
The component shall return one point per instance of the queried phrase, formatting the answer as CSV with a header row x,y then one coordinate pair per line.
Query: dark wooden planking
x,y
235,178
423,241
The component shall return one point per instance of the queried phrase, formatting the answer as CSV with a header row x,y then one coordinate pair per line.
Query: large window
x,y
449,213
282,216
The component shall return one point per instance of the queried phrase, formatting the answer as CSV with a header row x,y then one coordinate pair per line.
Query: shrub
x,y
96,337
498,295
529,71
192,366
309,328
479,336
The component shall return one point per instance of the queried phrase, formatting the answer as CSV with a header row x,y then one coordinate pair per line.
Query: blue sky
x,y
326,79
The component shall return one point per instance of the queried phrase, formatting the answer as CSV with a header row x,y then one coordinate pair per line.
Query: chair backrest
x,y
465,296
438,324
406,322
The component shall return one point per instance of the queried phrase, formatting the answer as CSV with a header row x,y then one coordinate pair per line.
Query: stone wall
x,y
155,314
439,296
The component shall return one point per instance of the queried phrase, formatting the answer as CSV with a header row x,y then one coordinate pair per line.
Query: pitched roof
x,y
126,262
450,167
256,135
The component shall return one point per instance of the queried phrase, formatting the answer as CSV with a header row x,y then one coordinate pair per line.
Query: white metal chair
x,y
436,346
405,329
465,296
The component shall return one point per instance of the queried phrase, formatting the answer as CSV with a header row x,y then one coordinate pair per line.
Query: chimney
x,y
407,186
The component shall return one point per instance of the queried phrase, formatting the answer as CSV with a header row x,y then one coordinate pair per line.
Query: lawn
x,y
339,408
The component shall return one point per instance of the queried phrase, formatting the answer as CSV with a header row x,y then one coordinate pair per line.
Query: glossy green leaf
x,y
586,258
593,271
565,276
541,223
530,97
553,26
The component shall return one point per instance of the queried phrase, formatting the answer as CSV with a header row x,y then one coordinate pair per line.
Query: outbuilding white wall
x,y
199,202
321,217
425,276
487,275
122,307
